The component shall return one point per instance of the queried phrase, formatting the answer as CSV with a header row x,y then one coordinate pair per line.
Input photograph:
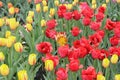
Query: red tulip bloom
x,y
49,56
114,41
82,52
76,44
75,31
114,50
63,51
99,16
74,65
101,33
110,25
44,47
61,74
95,39
95,53
89,73
68,15
117,32
101,9
76,15
95,25
62,9
86,21
103,54
50,33
51,24
73,54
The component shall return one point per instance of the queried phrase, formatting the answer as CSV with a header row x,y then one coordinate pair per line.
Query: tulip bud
x,y
44,3
118,1
43,23
2,41
13,24
29,19
29,27
104,5
69,6
10,5
56,2
12,38
100,77
94,6
32,59
12,10
18,47
107,1
16,10
4,70
52,12
117,77
114,59
1,22
93,2
9,43
2,57
38,8
49,65
76,1
7,34
105,62
22,75
1,4
31,13
45,8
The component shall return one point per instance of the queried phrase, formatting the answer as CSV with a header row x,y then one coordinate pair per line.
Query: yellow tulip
x,y
12,38
44,3
29,27
45,8
12,10
2,41
94,6
1,22
118,1
114,59
2,57
93,2
104,5
4,70
7,34
43,23
13,24
49,65
100,77
31,13
29,19
32,59
56,2
9,43
22,75
38,8
18,47
52,11
107,1
105,62
117,77
76,1
69,6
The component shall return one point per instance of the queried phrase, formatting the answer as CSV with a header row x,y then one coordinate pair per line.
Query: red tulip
x,y
99,16
86,21
50,33
114,41
89,73
101,9
63,51
61,74
76,15
95,26
68,15
75,31
44,47
62,9
110,25
51,24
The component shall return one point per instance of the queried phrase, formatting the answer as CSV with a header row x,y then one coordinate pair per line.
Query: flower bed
x,y
59,40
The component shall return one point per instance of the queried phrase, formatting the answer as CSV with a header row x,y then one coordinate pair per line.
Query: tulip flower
x,y
22,75
7,34
1,22
38,8
114,58
117,77
105,62
45,8
43,23
49,65
18,47
29,19
31,13
32,59
4,70
12,10
56,2
29,27
2,56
